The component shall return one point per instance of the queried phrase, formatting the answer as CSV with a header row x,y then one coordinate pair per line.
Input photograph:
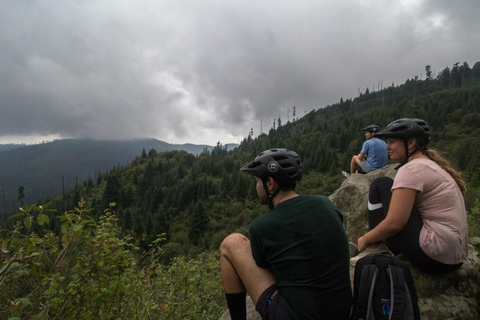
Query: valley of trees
x,y
140,241
51,168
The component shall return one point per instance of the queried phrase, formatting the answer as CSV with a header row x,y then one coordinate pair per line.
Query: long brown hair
x,y
445,165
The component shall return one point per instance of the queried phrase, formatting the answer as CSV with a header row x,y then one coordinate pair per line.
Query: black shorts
x,y
272,305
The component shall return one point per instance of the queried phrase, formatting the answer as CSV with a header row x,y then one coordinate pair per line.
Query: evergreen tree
x,y
476,70
21,195
456,75
444,77
474,169
89,184
161,222
152,153
428,72
99,178
127,221
250,135
198,223
112,190
149,225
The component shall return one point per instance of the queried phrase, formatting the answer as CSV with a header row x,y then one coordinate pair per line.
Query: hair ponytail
x,y
445,165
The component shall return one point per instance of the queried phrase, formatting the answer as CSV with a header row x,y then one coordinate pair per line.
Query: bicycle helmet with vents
x,y
406,128
371,128
283,165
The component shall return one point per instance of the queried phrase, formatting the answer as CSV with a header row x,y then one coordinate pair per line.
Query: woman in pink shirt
x,y
421,214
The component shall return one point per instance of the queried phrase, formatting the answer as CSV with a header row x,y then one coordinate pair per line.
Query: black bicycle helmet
x,y
371,128
406,128
283,165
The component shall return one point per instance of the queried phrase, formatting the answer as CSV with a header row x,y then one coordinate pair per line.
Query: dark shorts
x,y
272,305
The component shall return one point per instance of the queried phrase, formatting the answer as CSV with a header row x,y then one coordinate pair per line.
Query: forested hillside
x,y
47,169
172,206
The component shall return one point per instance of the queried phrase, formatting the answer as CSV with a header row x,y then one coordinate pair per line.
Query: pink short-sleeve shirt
x,y
444,236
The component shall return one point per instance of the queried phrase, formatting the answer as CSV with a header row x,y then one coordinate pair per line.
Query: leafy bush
x,y
89,271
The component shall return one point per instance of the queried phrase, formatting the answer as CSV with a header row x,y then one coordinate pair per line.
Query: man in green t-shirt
x,y
296,263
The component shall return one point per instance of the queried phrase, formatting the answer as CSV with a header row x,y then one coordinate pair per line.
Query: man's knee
x,y
233,242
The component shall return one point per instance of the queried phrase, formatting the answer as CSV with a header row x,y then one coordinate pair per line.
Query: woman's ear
x,y
412,144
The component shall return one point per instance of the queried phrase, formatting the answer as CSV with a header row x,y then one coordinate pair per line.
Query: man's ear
x,y
271,184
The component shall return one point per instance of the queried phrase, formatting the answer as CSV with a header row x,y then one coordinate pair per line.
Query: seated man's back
x,y
377,155
304,243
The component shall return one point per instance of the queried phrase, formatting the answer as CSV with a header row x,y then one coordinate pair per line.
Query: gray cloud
x,y
201,72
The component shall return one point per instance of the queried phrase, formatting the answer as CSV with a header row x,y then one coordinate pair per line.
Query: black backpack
x,y
383,288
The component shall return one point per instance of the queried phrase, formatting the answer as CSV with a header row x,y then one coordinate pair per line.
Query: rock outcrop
x,y
455,295
352,200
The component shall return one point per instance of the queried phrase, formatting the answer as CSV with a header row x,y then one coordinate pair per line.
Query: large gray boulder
x,y
455,295
352,199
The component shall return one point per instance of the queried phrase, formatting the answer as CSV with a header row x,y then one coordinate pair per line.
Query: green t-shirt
x,y
303,241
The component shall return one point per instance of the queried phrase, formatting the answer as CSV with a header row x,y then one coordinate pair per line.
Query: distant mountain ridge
x,y
10,146
47,169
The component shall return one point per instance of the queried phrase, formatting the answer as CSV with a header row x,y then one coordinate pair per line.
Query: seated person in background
x,y
422,213
296,263
373,155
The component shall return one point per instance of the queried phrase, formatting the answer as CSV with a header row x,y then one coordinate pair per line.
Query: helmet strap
x,y
270,195
409,154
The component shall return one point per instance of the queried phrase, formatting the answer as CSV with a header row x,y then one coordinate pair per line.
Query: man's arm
x,y
355,163
361,156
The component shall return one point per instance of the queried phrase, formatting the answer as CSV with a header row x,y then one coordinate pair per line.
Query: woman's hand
x,y
361,244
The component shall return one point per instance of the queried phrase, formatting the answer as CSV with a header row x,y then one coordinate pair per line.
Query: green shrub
x,y
89,271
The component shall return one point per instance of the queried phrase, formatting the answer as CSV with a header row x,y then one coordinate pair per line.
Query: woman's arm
x,y
397,217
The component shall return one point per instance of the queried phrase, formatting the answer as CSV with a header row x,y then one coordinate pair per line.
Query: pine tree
x,y
21,195
428,72
198,223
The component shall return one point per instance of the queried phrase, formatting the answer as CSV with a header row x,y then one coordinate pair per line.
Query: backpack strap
x,y
383,273
368,279
400,300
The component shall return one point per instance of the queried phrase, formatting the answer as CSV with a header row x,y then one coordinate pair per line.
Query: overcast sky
x,y
207,71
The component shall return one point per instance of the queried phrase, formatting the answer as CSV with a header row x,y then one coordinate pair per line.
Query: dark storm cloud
x,y
190,71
